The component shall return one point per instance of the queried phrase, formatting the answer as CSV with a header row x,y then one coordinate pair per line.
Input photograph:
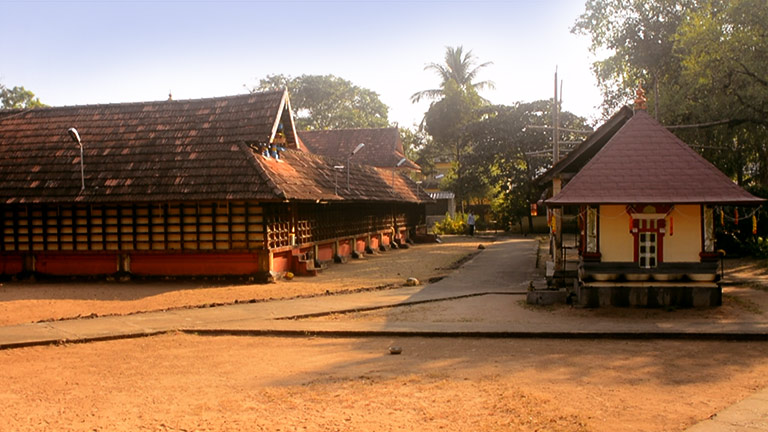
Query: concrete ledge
x,y
642,294
546,297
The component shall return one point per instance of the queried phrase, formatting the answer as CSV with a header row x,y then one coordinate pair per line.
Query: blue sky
x,y
84,52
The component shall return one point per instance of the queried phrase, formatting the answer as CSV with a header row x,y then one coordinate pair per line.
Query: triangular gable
x,y
285,116
645,163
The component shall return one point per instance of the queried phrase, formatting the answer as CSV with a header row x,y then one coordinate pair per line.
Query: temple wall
x,y
616,240
682,242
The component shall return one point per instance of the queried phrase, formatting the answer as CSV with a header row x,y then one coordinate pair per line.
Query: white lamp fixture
x,y
76,138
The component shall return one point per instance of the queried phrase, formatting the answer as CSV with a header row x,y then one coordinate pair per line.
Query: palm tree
x,y
458,68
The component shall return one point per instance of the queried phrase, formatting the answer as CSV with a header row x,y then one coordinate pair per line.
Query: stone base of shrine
x,y
650,294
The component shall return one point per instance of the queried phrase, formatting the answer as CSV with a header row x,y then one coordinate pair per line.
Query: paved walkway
x,y
485,294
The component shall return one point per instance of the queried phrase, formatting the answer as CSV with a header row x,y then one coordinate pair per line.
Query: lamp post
x,y
397,165
76,138
357,149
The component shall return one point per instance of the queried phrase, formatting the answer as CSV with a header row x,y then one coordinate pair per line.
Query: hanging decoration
x,y
754,225
722,218
736,216
672,226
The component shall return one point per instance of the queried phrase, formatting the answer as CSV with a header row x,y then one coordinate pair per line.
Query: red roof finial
x,y
640,98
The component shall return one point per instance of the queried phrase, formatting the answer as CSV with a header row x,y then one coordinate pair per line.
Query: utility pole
x,y
555,125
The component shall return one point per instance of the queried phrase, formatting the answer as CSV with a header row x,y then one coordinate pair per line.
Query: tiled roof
x,y
584,152
189,150
383,147
137,151
306,176
645,163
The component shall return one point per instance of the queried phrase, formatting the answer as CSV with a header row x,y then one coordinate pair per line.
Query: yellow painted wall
x,y
684,244
616,242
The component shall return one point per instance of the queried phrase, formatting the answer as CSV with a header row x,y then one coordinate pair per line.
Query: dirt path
x,y
24,301
179,382
191,383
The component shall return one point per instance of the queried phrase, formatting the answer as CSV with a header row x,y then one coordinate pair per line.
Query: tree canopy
x,y
18,97
705,64
509,155
329,102
459,68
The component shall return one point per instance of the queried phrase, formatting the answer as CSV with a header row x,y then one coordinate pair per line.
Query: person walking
x,y
471,223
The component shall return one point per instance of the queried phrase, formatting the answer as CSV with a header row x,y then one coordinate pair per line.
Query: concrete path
x,y
482,298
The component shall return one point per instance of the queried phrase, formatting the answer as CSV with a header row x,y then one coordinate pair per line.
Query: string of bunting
x,y
552,223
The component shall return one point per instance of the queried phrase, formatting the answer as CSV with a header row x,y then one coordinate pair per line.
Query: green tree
x,y
639,38
329,102
444,122
704,62
460,69
413,142
455,104
509,155
18,97
723,49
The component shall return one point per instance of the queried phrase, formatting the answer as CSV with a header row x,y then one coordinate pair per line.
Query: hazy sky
x,y
84,52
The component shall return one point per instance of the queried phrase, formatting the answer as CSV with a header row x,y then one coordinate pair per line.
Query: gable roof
x,y
576,159
189,150
383,146
645,163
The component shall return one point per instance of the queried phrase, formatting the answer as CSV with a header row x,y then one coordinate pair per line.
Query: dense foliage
x,y
18,97
329,102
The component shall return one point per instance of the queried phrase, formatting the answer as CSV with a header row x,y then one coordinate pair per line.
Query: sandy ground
x,y
180,382
25,301
193,383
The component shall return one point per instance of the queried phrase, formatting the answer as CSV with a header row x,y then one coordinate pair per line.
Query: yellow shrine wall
x,y
682,241
616,241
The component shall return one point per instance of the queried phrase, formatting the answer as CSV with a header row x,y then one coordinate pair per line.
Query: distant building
x,y
383,146
647,205
216,186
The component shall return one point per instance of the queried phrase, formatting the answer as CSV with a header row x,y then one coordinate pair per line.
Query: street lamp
x,y
76,138
357,149
397,165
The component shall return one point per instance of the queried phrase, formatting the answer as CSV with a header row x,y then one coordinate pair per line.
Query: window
x,y
647,247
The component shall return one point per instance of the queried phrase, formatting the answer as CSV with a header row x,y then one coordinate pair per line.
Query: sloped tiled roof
x,y
584,152
137,151
306,176
383,147
645,163
163,151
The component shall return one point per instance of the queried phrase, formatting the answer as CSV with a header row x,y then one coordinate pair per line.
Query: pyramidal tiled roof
x,y
189,150
383,147
645,163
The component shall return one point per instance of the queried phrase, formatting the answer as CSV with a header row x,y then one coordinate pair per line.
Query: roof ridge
x,y
348,129
138,103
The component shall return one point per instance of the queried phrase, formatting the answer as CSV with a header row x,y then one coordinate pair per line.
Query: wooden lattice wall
x,y
132,227
313,223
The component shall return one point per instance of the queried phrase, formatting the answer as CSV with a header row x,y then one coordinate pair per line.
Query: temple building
x,y
647,205
218,186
